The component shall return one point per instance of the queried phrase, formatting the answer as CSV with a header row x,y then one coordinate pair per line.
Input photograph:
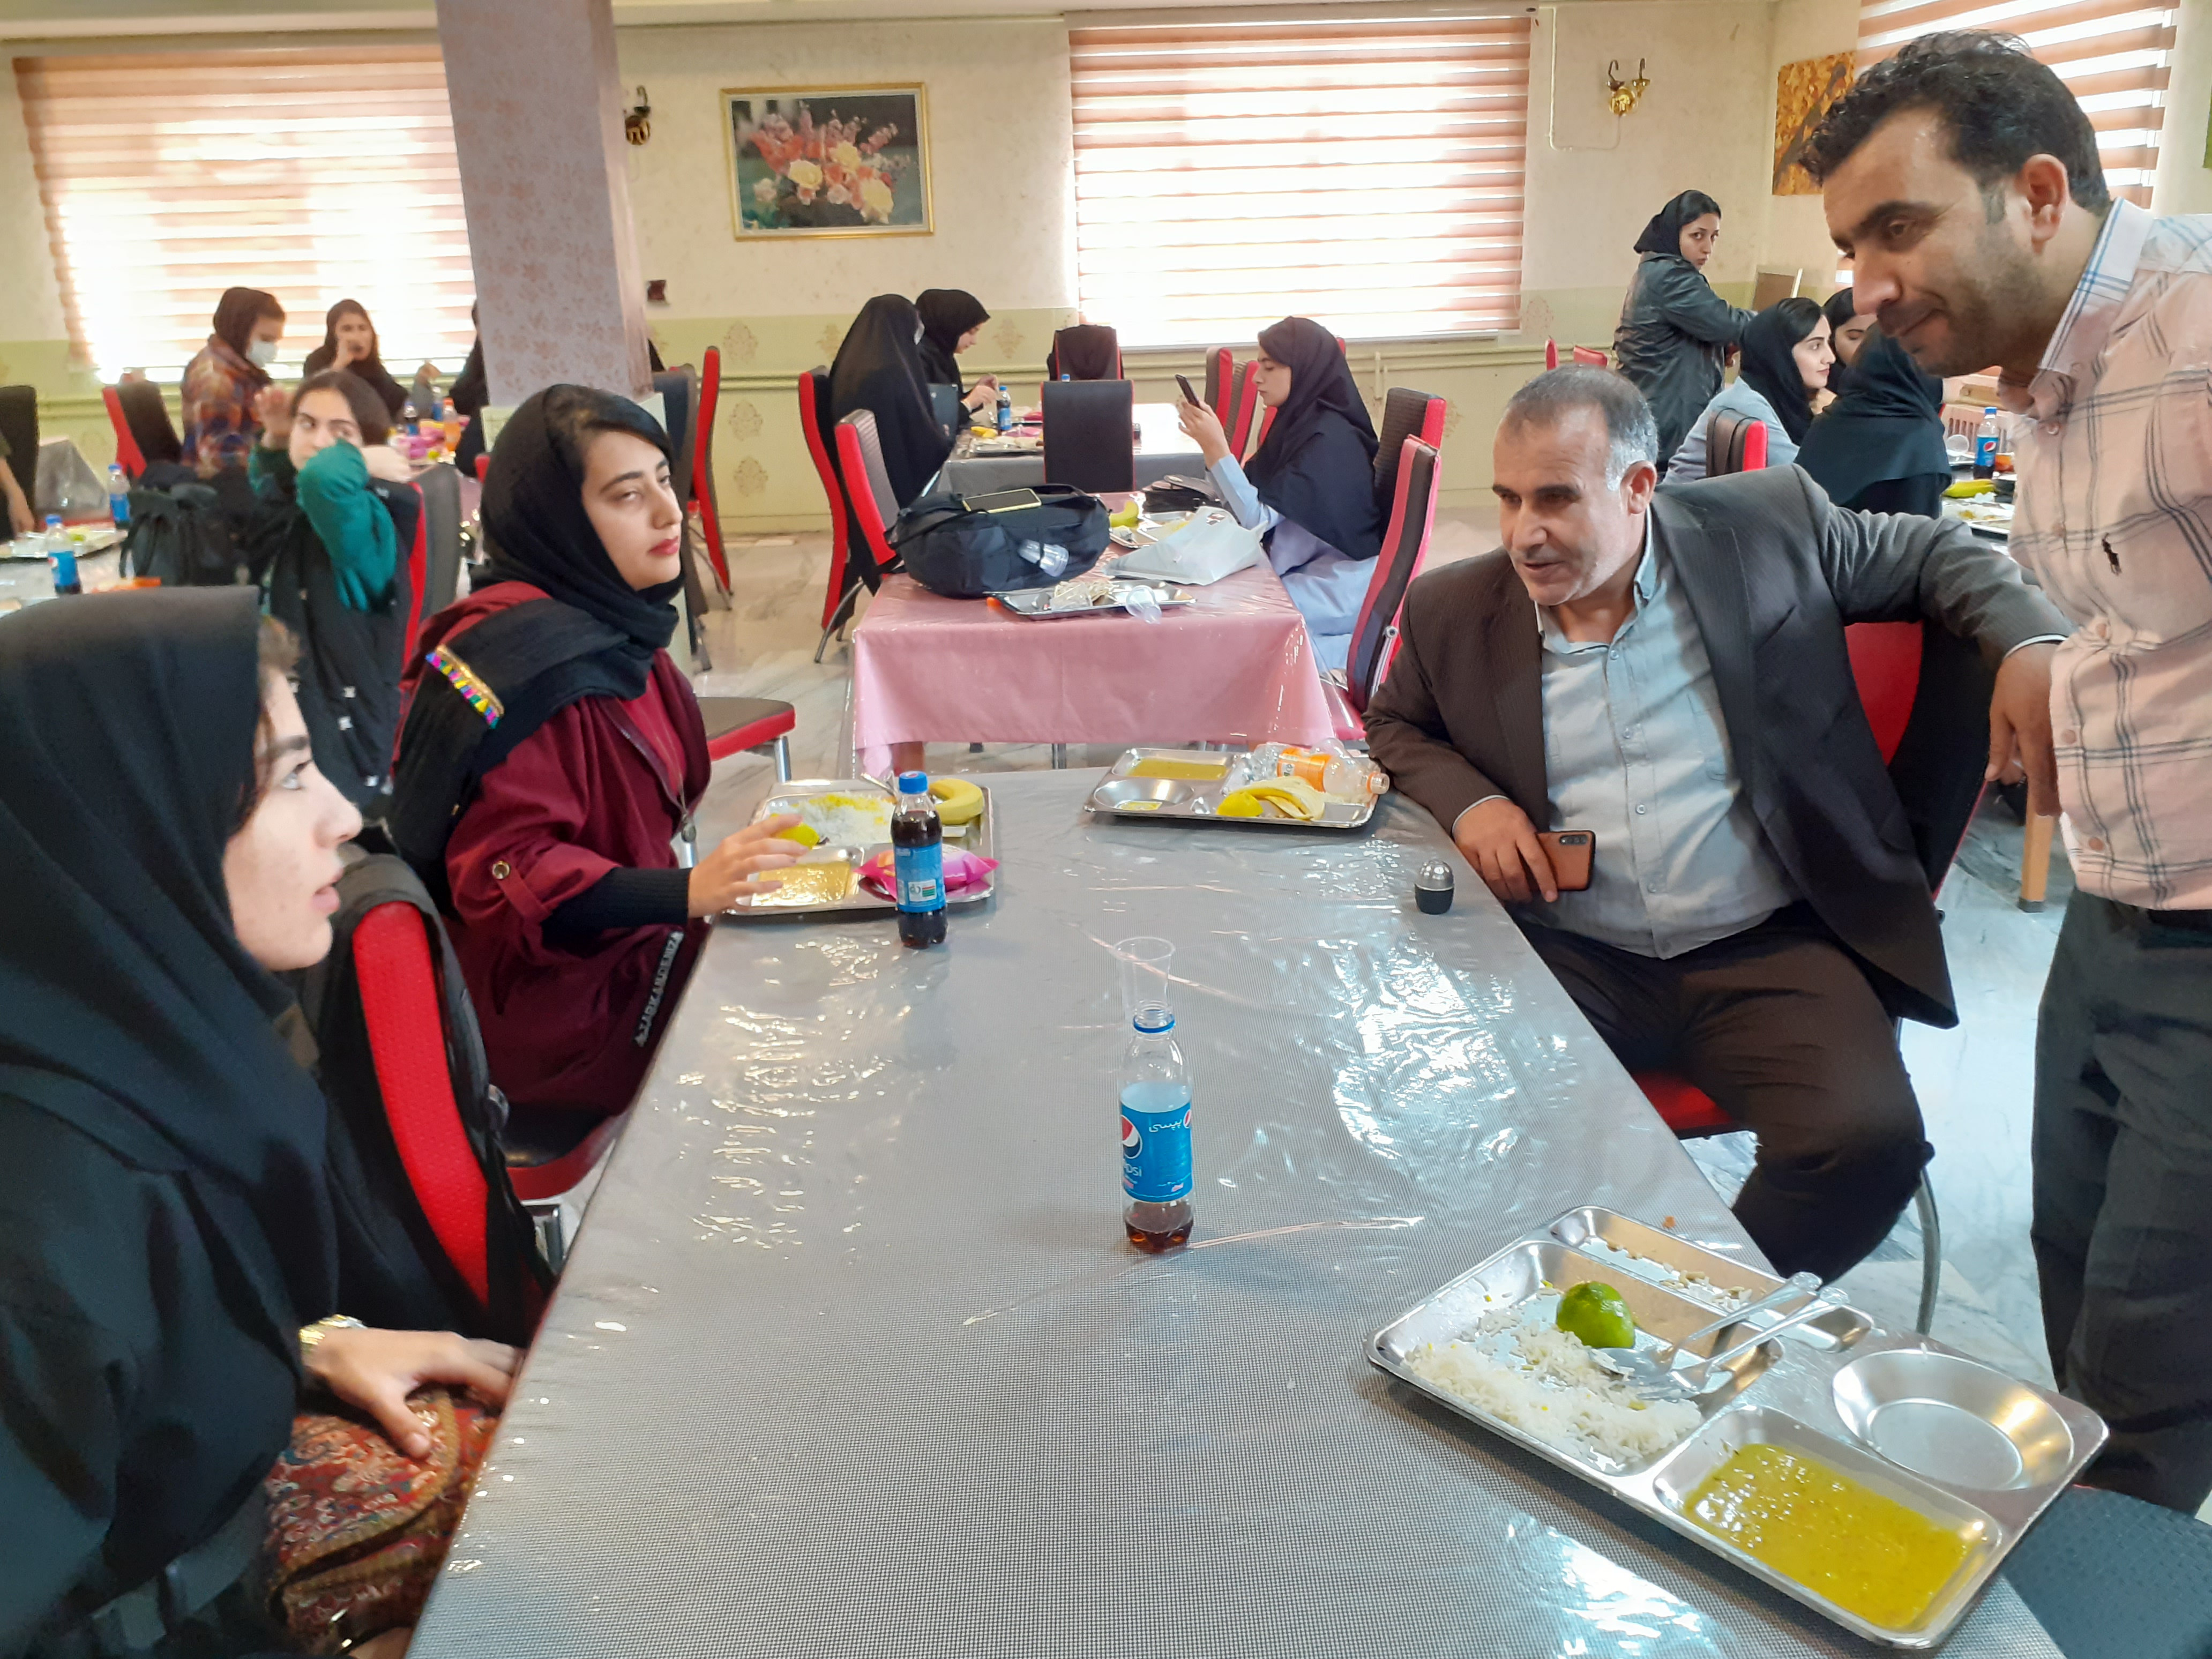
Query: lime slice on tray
x,y
1595,1314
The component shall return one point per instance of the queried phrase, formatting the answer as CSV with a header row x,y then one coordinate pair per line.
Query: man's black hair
x,y
1998,105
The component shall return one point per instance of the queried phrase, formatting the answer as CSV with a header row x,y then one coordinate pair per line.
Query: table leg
x,y
2035,861
1060,756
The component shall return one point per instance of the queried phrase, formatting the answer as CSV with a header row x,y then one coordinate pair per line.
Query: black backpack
x,y
182,532
965,553
394,1271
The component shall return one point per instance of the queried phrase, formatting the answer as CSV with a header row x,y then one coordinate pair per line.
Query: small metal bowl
x,y
1141,794
1953,1420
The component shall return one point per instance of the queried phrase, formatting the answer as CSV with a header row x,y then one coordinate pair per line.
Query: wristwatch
x,y
310,1336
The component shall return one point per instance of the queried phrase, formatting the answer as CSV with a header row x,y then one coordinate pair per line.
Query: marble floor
x,y
1973,1082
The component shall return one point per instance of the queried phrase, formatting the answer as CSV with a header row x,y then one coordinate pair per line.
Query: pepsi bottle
x,y
918,863
1155,1134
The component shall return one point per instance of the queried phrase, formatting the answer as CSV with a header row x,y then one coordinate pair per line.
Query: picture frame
x,y
1804,93
846,160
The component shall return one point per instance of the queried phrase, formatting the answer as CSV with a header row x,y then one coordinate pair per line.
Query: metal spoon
x,y
1708,1374
1637,1366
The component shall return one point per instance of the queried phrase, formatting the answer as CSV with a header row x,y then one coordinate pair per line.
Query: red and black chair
x,y
702,463
1245,398
1590,356
1405,414
1083,343
760,723
145,434
847,576
1405,549
1089,435
874,502
1550,354
1926,696
1220,380
1734,443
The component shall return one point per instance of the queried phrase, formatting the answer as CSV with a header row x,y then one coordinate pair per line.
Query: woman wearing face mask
x,y
221,383
550,752
165,1227
879,369
1878,447
349,343
1310,488
952,321
1675,332
333,519
1785,362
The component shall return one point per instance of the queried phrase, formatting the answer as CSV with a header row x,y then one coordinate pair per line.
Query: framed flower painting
x,y
853,162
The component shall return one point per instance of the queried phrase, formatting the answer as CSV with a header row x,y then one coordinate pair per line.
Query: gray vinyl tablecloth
x,y
851,1357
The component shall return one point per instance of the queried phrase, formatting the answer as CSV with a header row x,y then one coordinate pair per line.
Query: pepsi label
x,y
1985,451
918,872
1156,1153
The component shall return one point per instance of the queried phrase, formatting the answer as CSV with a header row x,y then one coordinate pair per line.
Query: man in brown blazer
x,y
1666,669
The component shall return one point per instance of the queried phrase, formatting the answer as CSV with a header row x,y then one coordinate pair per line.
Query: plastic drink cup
x,y
1145,963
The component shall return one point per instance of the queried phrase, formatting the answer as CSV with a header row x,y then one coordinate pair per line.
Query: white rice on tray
x,y
1520,1368
842,820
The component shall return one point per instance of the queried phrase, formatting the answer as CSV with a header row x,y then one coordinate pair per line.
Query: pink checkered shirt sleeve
x,y
2114,450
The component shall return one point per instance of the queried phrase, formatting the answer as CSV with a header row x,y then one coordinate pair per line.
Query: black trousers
x,y
2122,1158
1781,1027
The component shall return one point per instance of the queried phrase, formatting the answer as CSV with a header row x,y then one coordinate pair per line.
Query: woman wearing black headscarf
x,y
1310,488
951,318
165,1227
550,752
1878,447
349,343
1675,332
471,390
879,369
1785,361
221,382
1847,326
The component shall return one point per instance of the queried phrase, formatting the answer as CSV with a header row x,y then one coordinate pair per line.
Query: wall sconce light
x,y
637,122
1621,95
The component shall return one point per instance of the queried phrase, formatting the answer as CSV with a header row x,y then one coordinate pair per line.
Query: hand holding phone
x,y
1572,852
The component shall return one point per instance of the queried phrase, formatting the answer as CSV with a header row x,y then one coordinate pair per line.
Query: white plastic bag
x,y
1207,546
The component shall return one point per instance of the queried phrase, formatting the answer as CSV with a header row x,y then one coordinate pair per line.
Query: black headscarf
x,y
1887,423
1664,234
1839,310
946,314
879,369
128,1008
471,391
1086,352
596,635
369,369
1771,371
1316,465
235,314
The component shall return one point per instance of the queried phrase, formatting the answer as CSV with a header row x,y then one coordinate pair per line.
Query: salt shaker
x,y
1432,892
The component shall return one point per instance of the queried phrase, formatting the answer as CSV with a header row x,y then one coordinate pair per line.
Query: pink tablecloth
x,y
1235,667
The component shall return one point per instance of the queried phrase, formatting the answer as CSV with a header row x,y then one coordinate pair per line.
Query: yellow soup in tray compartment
x,y
825,881
1193,771
1867,1553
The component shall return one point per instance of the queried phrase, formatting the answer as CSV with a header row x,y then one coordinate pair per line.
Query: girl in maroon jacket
x,y
551,751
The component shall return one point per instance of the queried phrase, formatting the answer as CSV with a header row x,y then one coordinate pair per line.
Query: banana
x,y
1292,796
958,801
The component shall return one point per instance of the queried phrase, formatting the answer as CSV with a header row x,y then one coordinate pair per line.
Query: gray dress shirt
x,y
1635,750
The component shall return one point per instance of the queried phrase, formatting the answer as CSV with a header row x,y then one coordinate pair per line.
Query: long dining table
x,y
851,1357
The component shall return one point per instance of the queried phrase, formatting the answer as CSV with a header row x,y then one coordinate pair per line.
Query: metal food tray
x,y
977,837
1034,604
1945,1435
1191,801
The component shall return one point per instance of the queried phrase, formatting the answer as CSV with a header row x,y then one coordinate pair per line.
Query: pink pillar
x,y
545,177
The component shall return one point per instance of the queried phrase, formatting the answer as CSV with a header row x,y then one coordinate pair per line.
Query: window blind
x,y
318,175
2112,54
1366,173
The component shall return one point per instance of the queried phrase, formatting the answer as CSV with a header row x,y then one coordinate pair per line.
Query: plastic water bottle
x,y
450,419
409,421
62,556
1154,1133
1005,411
918,862
118,497
1333,774
1986,445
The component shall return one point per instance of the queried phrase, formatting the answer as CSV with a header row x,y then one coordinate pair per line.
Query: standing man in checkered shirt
x,y
1963,180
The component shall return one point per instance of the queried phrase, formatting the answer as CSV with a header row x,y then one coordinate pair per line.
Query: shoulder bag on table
x,y
965,552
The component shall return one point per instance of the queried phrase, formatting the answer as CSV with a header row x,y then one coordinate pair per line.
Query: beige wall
x,y
2184,183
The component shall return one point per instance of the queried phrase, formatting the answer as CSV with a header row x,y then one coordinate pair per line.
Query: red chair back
x,y
1590,356
1245,398
1885,668
407,1040
702,465
1550,354
1405,414
418,571
1405,548
1220,381
127,453
483,465
813,408
1734,442
875,504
